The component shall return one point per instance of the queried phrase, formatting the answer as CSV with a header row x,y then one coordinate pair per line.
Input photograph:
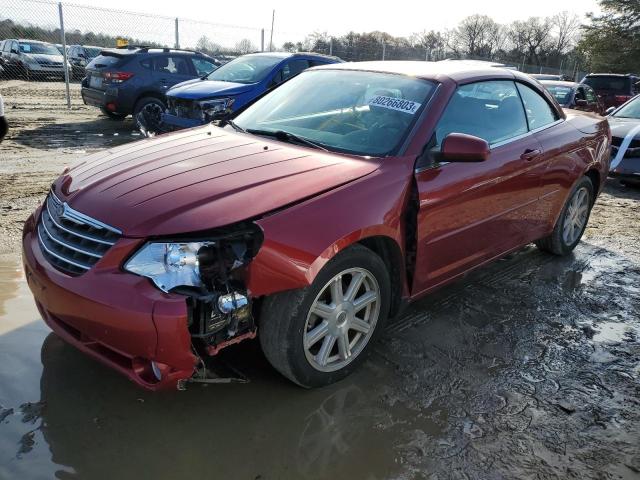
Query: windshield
x,y
630,110
246,69
562,94
363,113
92,51
620,85
39,48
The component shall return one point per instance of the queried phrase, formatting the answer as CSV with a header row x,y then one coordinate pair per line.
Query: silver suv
x,y
32,58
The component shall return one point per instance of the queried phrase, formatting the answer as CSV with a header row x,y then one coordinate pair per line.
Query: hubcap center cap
x,y
341,319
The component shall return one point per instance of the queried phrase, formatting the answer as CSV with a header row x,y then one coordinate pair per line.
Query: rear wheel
x,y
151,108
572,220
113,115
319,334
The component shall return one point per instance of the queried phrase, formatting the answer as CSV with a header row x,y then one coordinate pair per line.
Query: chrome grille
x,y
70,240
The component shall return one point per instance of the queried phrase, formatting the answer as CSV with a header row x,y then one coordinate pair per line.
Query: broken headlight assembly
x,y
210,274
215,108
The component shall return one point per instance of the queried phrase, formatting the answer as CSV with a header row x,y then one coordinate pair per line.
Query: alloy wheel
x,y
575,217
341,319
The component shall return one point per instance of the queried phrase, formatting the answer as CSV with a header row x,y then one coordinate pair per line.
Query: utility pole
x,y
177,34
64,55
262,40
273,18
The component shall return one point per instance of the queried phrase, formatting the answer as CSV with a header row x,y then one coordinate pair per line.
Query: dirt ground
x,y
526,369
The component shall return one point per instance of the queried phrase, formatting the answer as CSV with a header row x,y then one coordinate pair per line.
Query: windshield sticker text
x,y
398,104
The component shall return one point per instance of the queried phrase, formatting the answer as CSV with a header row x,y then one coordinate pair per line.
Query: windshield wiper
x,y
287,137
235,126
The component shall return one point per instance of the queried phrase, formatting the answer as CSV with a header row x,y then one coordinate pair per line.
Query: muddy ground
x,y
526,369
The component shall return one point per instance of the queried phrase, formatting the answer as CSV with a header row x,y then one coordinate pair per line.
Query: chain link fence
x,y
66,24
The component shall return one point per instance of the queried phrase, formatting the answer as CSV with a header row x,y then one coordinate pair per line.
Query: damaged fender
x,y
329,223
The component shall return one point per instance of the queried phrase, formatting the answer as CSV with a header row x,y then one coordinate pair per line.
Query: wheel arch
x,y
148,93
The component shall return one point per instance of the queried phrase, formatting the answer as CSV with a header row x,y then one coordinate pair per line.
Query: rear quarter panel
x,y
571,149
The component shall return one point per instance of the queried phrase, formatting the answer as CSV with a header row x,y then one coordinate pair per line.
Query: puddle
x,y
614,332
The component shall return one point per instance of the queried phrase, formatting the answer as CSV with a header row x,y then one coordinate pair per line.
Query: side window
x,y
590,94
490,110
203,66
15,47
293,68
146,63
315,63
580,94
172,65
539,112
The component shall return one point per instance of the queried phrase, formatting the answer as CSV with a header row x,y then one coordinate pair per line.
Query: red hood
x,y
199,179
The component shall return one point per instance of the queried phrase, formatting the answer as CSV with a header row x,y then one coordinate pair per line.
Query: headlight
x,y
209,109
168,264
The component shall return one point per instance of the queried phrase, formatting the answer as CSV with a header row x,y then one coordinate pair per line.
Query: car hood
x,y
46,58
620,127
200,179
199,89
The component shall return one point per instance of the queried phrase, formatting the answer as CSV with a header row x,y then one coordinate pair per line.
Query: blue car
x,y
233,85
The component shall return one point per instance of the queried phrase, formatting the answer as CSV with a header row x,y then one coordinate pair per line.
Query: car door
x,y
169,70
471,212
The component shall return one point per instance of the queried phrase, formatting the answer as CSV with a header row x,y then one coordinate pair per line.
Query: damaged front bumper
x,y
154,338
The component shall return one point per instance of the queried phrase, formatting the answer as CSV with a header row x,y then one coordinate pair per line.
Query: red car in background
x,y
310,219
613,89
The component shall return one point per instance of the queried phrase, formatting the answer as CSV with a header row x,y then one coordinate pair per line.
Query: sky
x,y
399,17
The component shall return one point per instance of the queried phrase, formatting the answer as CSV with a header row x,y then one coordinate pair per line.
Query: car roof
x,y
458,71
612,75
32,41
284,55
559,83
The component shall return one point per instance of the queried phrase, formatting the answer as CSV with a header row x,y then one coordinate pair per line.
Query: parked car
x,y
4,126
79,57
549,76
613,89
625,150
577,96
313,216
233,85
129,80
32,59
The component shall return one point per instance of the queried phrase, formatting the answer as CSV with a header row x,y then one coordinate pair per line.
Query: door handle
x,y
530,154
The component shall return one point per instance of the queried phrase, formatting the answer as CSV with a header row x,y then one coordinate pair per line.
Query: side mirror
x,y
610,110
581,102
460,147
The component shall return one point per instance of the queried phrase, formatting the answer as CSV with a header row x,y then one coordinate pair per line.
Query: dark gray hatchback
x,y
125,81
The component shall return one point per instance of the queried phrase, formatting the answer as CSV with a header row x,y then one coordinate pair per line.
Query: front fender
x,y
300,240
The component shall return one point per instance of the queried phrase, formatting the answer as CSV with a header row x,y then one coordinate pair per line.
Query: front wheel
x,y
319,334
572,220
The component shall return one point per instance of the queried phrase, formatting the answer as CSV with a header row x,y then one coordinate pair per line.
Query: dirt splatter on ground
x,y
528,368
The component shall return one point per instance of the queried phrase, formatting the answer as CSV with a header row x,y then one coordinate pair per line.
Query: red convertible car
x,y
309,219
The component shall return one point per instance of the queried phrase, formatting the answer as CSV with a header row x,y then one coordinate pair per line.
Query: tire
x,y
147,103
286,318
113,115
560,243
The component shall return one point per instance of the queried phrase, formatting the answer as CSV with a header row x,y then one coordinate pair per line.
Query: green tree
x,y
612,41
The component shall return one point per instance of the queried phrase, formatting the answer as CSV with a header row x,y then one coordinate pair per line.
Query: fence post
x,y
262,40
331,46
64,55
177,35
384,49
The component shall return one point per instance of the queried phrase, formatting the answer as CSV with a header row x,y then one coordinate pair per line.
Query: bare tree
x,y
476,36
531,37
566,27
431,41
207,46
245,46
